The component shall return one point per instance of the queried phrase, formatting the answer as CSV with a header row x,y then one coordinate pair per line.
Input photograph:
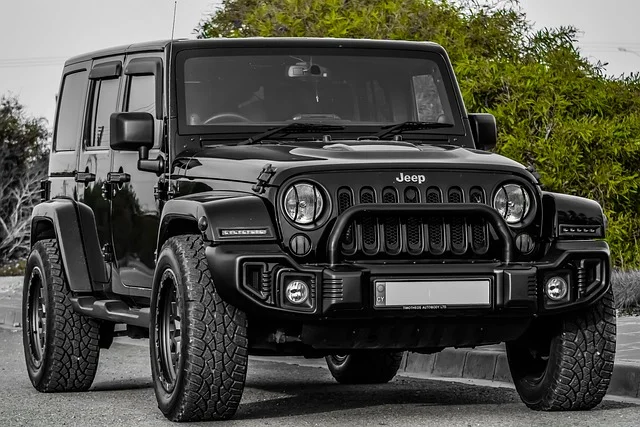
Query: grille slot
x,y
479,229
345,201
369,224
391,224
435,225
414,224
417,236
457,225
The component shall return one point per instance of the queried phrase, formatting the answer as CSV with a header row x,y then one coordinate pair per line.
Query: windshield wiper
x,y
408,126
295,127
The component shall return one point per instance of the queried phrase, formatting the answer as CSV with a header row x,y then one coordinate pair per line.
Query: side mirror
x,y
484,130
134,131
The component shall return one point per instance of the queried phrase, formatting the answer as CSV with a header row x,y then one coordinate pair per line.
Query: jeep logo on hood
x,y
420,179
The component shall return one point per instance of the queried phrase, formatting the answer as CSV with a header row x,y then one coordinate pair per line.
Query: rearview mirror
x,y
484,130
133,131
304,70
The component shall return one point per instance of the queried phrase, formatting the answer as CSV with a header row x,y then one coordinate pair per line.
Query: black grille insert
x,y
433,236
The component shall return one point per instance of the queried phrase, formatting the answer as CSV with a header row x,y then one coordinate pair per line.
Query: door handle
x,y
85,177
118,177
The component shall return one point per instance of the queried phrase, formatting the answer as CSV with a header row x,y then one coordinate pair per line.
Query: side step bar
x,y
112,310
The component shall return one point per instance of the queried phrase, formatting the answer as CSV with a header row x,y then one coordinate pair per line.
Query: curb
x,y
492,365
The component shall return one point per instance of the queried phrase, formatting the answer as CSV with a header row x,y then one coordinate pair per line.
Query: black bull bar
x,y
487,213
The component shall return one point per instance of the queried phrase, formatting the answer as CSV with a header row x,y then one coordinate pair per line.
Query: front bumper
x,y
254,277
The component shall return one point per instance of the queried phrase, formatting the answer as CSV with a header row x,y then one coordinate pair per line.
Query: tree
x,y
23,163
556,110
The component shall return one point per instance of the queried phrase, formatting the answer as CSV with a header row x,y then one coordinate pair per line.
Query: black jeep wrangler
x,y
316,197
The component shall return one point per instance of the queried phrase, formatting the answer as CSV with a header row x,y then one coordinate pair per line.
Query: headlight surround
x,y
304,203
513,203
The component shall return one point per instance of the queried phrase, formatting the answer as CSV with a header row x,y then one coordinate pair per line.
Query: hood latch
x,y
263,179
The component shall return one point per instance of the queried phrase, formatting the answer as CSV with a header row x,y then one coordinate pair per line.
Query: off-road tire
x,y
581,350
61,347
210,368
365,367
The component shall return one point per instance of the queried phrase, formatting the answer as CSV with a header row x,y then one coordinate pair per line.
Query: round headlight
x,y
512,202
303,203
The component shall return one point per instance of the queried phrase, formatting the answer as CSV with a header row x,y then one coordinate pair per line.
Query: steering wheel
x,y
218,117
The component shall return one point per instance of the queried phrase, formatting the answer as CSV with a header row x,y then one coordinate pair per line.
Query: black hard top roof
x,y
180,44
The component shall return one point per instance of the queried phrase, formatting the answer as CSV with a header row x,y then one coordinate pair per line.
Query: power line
x,y
31,62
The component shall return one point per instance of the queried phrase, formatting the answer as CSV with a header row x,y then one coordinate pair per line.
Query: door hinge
x,y
45,190
263,179
107,252
161,190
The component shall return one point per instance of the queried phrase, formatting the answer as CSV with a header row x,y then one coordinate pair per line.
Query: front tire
x,y
565,364
365,367
61,347
198,341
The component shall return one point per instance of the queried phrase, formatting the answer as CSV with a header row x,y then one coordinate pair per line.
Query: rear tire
x,y
61,347
198,342
365,367
565,364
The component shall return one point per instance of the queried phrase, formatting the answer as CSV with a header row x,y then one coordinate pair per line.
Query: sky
x,y
38,35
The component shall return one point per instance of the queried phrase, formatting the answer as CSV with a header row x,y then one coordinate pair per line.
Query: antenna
x,y
169,118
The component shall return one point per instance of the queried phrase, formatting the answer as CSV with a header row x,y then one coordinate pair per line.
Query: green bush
x,y
555,110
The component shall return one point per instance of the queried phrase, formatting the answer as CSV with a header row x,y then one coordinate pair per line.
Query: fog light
x,y
297,292
556,288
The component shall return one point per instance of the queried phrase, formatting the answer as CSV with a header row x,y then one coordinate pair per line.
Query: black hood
x,y
245,163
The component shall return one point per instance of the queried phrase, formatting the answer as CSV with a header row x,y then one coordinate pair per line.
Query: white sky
x,y
38,35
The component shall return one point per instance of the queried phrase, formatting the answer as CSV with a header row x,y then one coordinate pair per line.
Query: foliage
x,y
556,111
23,163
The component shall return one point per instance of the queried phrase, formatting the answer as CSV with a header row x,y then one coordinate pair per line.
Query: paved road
x,y
278,394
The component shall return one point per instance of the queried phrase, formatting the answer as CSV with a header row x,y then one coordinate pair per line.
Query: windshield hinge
x,y
263,179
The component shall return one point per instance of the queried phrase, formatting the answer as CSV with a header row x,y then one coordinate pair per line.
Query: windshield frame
x,y
352,129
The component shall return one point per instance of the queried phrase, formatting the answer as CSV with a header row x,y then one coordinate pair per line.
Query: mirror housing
x,y
133,131
484,130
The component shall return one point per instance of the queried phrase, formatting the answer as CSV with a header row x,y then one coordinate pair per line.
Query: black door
x,y
134,209
94,161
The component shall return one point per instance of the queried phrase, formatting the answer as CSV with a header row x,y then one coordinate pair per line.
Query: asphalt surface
x,y
279,394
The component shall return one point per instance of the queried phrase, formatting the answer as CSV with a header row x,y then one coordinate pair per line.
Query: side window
x,y
69,120
142,94
105,98
428,103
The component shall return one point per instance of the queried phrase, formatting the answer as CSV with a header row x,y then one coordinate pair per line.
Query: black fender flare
x,y
74,226
572,217
230,216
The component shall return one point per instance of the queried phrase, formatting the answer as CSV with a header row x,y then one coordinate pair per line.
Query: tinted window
x,y
69,123
104,104
268,88
142,94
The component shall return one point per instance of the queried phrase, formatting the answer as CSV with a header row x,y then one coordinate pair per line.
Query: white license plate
x,y
432,294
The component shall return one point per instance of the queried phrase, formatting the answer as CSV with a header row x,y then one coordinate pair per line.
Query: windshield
x,y
269,88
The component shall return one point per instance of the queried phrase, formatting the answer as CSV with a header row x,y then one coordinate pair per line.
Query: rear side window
x,y
105,102
142,94
69,122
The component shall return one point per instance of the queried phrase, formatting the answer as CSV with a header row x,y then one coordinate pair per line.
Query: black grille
x,y
414,236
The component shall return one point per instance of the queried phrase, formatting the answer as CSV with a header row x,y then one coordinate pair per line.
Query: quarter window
x,y
69,122
104,104
142,96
